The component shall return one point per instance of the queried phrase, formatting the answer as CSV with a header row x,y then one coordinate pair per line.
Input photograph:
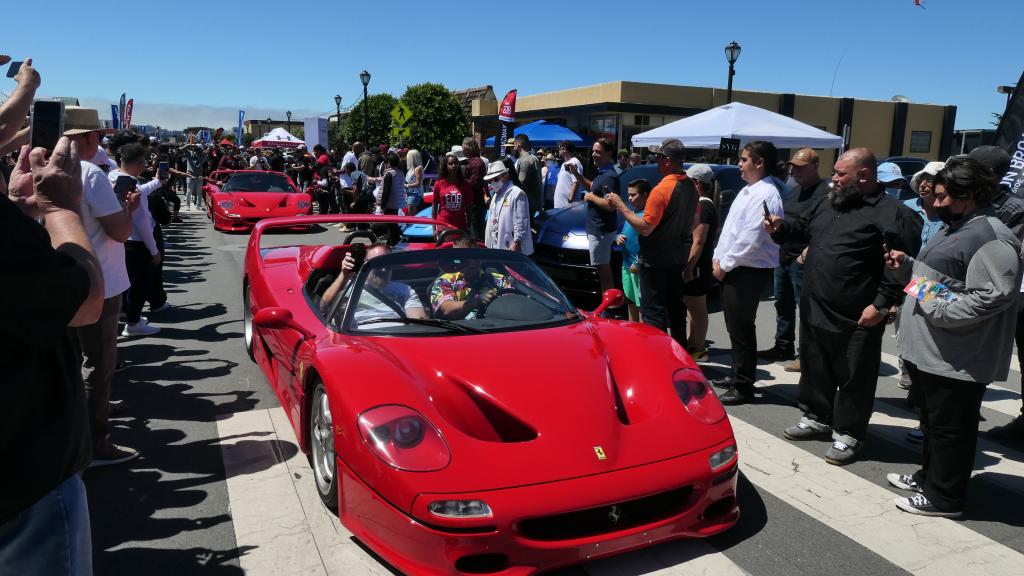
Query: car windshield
x,y
450,291
256,182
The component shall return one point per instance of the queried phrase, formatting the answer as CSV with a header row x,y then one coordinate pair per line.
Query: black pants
x,y
741,292
156,295
949,420
476,218
140,273
327,201
661,300
838,376
394,232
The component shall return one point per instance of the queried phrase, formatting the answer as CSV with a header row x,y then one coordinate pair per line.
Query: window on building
x,y
920,141
641,120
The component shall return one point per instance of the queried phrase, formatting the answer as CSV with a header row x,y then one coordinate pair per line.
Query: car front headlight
x,y
403,438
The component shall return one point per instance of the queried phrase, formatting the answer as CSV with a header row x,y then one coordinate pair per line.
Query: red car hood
x,y
533,406
259,201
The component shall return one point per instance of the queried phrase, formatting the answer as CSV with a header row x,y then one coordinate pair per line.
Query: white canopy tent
x,y
736,120
278,137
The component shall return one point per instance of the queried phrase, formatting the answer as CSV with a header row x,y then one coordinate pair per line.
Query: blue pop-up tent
x,y
542,133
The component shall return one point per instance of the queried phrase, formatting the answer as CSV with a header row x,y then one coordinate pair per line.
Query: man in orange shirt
x,y
664,241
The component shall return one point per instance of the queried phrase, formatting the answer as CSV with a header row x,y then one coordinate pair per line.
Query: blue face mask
x,y
894,192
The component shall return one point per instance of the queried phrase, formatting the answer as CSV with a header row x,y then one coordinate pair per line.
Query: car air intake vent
x,y
607,518
506,426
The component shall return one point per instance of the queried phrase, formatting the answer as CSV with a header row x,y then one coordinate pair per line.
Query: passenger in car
x,y
384,294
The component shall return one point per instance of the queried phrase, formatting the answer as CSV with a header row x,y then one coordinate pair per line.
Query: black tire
x,y
321,448
247,327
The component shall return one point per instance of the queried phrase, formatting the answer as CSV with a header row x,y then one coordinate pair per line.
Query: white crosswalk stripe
x,y
281,524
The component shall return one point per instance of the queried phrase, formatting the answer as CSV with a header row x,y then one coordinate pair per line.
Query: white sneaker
x,y
140,328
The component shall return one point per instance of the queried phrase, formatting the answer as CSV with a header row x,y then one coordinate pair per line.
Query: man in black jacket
x,y
789,274
847,296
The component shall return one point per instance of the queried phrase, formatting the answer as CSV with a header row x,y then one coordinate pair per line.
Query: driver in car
x,y
466,290
382,297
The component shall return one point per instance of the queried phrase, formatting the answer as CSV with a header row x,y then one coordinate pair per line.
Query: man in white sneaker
x,y
108,223
141,251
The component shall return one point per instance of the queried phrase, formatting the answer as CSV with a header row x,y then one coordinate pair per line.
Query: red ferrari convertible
x,y
238,199
462,417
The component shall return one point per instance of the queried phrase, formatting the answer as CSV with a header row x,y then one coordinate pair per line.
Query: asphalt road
x,y
170,511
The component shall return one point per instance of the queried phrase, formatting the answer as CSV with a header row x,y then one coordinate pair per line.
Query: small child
x,y
629,240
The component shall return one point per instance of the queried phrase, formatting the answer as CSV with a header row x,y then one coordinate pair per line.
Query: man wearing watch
x,y
846,299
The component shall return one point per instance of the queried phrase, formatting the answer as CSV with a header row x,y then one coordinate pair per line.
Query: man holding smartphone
x,y
107,218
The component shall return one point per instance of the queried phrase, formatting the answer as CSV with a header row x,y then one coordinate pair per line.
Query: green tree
x,y
438,118
228,137
248,139
336,134
997,119
299,132
379,116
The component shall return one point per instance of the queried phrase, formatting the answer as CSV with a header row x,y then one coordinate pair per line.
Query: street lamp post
x,y
267,127
732,54
364,77
337,120
289,115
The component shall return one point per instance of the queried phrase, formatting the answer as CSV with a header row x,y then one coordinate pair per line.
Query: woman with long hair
x,y
453,194
413,181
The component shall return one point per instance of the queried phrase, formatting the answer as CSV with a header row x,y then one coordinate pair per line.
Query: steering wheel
x,y
482,307
443,236
359,234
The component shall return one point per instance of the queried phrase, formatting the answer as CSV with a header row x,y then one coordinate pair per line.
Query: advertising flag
x,y
507,117
1010,136
238,133
120,109
128,114
115,119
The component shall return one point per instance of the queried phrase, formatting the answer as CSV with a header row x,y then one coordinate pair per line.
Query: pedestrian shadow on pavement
x,y
990,500
207,333
160,562
182,402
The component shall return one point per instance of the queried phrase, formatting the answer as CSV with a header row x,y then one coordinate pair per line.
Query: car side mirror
x,y
612,298
276,318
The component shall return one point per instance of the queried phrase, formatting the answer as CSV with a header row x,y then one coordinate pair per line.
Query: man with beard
x,y
847,297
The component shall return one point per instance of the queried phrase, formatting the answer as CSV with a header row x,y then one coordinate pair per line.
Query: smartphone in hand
x,y
358,252
123,186
14,69
47,124
767,213
162,169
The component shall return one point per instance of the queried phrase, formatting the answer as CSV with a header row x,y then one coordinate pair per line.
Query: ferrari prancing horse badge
x,y
600,453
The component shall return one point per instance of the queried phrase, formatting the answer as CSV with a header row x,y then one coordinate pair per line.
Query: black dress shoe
x,y
734,397
723,383
775,354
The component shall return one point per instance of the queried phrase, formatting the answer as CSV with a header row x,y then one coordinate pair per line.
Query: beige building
x,y
618,110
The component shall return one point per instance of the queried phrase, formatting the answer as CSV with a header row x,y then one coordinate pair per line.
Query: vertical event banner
x,y
128,114
1010,135
315,132
238,132
115,119
120,109
507,117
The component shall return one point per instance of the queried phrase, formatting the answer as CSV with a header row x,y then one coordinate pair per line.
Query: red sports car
x,y
464,418
238,199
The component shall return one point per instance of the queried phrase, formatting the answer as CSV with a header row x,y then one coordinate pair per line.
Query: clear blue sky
x,y
193,60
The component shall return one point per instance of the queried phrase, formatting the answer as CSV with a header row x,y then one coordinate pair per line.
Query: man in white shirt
x,y
351,156
107,222
141,250
743,262
258,162
567,184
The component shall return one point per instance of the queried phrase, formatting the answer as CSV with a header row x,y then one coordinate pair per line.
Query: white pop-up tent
x,y
278,137
736,120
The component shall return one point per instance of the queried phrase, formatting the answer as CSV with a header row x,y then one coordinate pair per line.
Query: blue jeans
x,y
788,281
52,536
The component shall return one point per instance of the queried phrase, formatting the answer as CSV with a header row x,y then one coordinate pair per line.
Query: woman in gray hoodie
x,y
956,330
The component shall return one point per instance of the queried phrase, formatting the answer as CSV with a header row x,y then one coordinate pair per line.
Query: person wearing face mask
x,y
508,225
963,290
846,298
891,178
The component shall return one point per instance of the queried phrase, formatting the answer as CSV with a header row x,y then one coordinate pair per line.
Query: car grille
x,y
607,518
561,255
